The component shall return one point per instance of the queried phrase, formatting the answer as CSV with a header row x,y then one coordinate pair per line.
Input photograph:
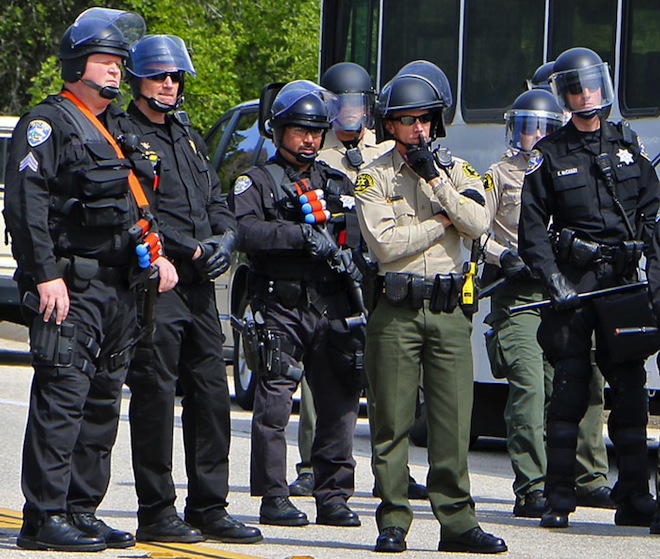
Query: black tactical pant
x,y
74,410
187,347
336,403
566,338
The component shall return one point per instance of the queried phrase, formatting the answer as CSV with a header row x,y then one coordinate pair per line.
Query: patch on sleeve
x,y
535,160
241,184
489,184
470,171
29,161
38,132
363,182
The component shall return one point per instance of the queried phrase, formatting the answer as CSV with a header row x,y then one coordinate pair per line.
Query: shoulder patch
x,y
642,151
470,171
362,182
489,184
241,184
535,160
38,132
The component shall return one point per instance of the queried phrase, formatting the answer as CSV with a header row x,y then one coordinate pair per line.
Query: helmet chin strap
x,y
161,107
107,92
587,115
303,158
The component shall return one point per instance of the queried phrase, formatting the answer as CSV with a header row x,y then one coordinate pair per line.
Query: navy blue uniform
x,y
187,343
68,208
298,296
564,183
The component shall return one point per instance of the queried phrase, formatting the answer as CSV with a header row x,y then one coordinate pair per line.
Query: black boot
x,y
279,511
91,525
58,534
219,525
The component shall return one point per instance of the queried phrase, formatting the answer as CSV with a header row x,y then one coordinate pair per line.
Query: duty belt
x,y
443,292
583,253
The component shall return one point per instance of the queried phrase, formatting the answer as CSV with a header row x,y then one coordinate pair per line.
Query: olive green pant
x,y
519,358
401,342
306,428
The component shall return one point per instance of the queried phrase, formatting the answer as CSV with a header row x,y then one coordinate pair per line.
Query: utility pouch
x,y
396,288
272,355
288,292
81,272
416,292
630,309
52,344
564,244
252,346
627,256
583,253
439,294
346,352
456,284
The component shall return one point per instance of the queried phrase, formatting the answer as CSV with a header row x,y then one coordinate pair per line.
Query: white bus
x,y
488,49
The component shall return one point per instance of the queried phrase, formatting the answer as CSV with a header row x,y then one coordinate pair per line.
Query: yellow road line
x,y
14,519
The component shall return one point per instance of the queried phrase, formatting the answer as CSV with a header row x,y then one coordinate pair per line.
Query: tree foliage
x,y
236,45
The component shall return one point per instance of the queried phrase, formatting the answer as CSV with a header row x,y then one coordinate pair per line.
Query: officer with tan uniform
x,y
514,351
414,208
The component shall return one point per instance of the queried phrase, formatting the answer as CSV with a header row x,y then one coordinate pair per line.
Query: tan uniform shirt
x,y
334,152
398,215
503,184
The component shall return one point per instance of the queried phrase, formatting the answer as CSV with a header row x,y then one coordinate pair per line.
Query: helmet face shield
x,y
592,83
355,112
130,24
304,103
156,54
525,127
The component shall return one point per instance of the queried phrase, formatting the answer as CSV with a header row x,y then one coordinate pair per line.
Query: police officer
x,y
70,201
200,233
348,146
593,180
513,348
297,297
414,207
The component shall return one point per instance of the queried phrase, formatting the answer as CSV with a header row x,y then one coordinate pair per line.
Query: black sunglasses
x,y
576,88
176,77
409,119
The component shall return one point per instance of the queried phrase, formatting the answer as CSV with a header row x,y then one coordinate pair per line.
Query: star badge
x,y
625,156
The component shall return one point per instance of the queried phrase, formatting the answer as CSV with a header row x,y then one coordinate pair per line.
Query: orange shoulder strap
x,y
134,183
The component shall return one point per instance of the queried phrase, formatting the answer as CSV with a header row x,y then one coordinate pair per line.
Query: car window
x,y
239,154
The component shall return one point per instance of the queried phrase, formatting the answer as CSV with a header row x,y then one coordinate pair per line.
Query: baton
x,y
582,296
635,330
488,290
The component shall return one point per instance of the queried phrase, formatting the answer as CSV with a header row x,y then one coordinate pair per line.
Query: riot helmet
x,y
579,69
534,113
301,103
418,85
98,30
155,56
541,77
353,86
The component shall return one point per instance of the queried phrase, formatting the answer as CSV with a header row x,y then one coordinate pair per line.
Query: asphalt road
x,y
592,532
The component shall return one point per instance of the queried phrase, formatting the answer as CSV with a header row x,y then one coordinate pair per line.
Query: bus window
x,y
589,23
502,47
350,33
428,31
639,89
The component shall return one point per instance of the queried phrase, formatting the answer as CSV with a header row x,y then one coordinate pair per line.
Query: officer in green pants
x,y
513,349
415,206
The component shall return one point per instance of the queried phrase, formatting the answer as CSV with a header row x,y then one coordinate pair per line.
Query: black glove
x,y
351,268
421,160
216,254
316,244
563,294
514,267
